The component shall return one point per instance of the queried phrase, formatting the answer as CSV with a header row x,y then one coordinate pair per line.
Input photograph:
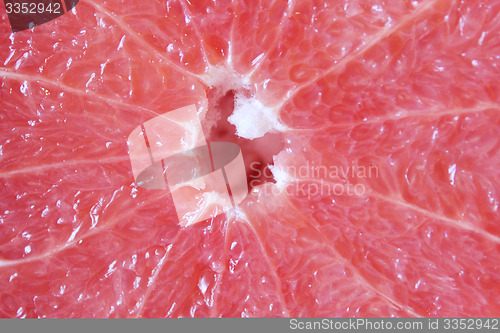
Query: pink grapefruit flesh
x,y
380,120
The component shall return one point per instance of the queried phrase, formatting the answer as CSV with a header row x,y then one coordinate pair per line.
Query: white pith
x,y
251,117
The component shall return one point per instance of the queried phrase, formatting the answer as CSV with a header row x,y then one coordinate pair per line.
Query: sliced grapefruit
x,y
370,127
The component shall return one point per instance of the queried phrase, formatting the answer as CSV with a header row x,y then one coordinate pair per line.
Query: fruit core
x,y
234,115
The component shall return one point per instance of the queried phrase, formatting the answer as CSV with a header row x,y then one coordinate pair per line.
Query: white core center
x,y
251,118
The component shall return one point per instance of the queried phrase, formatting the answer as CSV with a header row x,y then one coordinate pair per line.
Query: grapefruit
x,y
370,128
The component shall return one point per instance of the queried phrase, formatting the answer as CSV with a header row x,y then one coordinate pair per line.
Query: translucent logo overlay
x,y
205,179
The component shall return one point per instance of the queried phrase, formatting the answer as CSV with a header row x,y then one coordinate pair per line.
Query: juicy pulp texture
x,y
408,89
